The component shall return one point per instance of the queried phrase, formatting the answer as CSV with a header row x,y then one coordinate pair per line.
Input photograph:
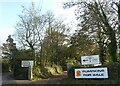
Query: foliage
x,y
23,54
6,65
43,72
71,60
96,20
29,29
18,71
43,33
55,69
9,48
114,69
81,41
45,36
53,47
59,69
81,45
98,31
8,51
40,72
52,70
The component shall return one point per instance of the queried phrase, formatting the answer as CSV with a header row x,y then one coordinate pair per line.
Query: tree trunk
x,y
101,51
112,46
110,32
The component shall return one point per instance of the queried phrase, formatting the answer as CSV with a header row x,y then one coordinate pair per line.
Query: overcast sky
x,y
10,9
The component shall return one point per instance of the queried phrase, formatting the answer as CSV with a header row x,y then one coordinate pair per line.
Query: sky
x,y
10,9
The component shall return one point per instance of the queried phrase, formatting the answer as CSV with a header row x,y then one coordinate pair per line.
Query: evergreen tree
x,y
9,48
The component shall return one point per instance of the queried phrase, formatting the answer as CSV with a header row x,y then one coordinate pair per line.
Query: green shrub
x,y
59,69
5,66
40,72
44,72
113,69
119,70
52,70
18,71
21,73
64,68
55,69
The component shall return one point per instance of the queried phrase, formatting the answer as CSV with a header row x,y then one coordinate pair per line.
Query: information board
x,y
88,60
27,63
91,73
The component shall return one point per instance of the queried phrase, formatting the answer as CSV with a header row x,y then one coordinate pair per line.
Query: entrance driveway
x,y
7,79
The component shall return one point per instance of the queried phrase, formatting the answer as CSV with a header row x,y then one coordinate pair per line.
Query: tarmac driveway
x,y
7,79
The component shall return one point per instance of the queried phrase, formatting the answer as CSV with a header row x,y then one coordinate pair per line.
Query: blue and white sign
x,y
91,73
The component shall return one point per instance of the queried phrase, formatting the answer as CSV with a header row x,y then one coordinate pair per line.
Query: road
x,y
55,79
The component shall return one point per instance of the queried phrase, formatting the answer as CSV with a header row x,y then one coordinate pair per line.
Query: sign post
x,y
30,73
29,64
69,65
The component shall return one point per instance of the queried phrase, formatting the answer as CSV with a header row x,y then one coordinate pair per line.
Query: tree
x,y
81,45
9,48
29,30
96,18
54,39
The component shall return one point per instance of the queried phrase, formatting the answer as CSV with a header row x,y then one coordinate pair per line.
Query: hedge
x,y
5,66
18,71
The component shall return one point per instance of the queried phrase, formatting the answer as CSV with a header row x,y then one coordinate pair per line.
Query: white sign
x,y
27,63
91,73
87,60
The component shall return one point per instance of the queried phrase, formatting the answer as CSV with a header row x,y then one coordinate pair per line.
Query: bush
x,y
119,70
21,73
18,71
55,69
113,70
59,69
40,72
5,66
